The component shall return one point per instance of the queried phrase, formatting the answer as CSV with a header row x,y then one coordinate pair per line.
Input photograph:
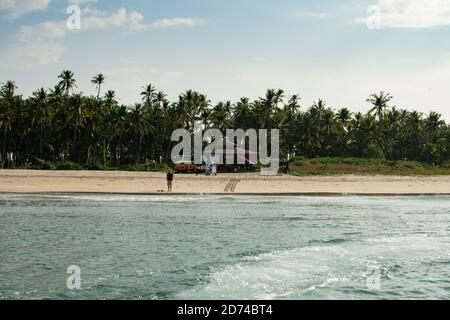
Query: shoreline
x,y
241,184
272,195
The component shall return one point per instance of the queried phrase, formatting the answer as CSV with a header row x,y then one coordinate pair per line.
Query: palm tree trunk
x,y
119,161
73,145
4,147
138,159
40,143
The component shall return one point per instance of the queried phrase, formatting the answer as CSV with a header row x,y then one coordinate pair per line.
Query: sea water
x,y
225,247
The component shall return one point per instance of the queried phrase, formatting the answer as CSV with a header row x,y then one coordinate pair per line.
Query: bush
x,y
146,167
68,165
372,152
40,164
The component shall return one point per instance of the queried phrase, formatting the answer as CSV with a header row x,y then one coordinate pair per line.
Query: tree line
x,y
62,125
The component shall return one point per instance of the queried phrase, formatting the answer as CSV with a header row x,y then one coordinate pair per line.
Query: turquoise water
x,y
225,247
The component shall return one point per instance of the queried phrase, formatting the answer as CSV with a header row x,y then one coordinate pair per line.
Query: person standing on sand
x,y
169,181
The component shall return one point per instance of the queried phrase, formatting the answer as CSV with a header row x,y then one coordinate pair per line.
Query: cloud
x,y
42,43
42,31
134,20
26,55
17,8
410,13
176,22
93,19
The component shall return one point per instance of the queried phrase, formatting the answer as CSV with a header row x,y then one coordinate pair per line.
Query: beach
x,y
118,182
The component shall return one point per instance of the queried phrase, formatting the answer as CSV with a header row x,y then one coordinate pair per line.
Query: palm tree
x,y
413,131
120,124
59,120
329,131
7,102
67,82
160,98
98,80
140,127
77,120
148,94
243,114
205,117
42,115
110,97
269,104
219,116
380,103
318,108
288,123
343,116
432,123
191,104
57,125
316,124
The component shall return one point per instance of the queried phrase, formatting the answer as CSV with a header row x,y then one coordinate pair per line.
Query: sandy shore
x,y
112,182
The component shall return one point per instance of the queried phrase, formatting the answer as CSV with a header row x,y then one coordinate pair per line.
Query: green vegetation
x,y
362,166
58,128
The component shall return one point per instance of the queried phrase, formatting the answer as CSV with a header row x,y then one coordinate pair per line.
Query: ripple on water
x,y
133,247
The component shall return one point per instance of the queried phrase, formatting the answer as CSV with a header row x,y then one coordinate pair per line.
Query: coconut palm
x,y
380,103
42,115
269,104
148,94
140,127
98,80
67,82
77,119
56,125
7,115
343,116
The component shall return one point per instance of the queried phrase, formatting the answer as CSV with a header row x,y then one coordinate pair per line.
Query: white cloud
x,y
17,8
95,19
176,22
26,55
41,43
42,31
412,13
135,20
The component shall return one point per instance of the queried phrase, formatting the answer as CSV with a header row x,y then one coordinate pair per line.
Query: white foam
x,y
308,272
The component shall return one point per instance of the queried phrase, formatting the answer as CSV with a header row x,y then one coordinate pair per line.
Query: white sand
x,y
31,181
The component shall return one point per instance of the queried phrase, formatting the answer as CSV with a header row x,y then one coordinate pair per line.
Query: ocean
x,y
224,247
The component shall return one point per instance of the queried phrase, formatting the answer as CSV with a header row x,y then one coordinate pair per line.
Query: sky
x,y
341,51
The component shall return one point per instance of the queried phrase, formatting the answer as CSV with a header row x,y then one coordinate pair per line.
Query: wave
x,y
333,268
328,241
